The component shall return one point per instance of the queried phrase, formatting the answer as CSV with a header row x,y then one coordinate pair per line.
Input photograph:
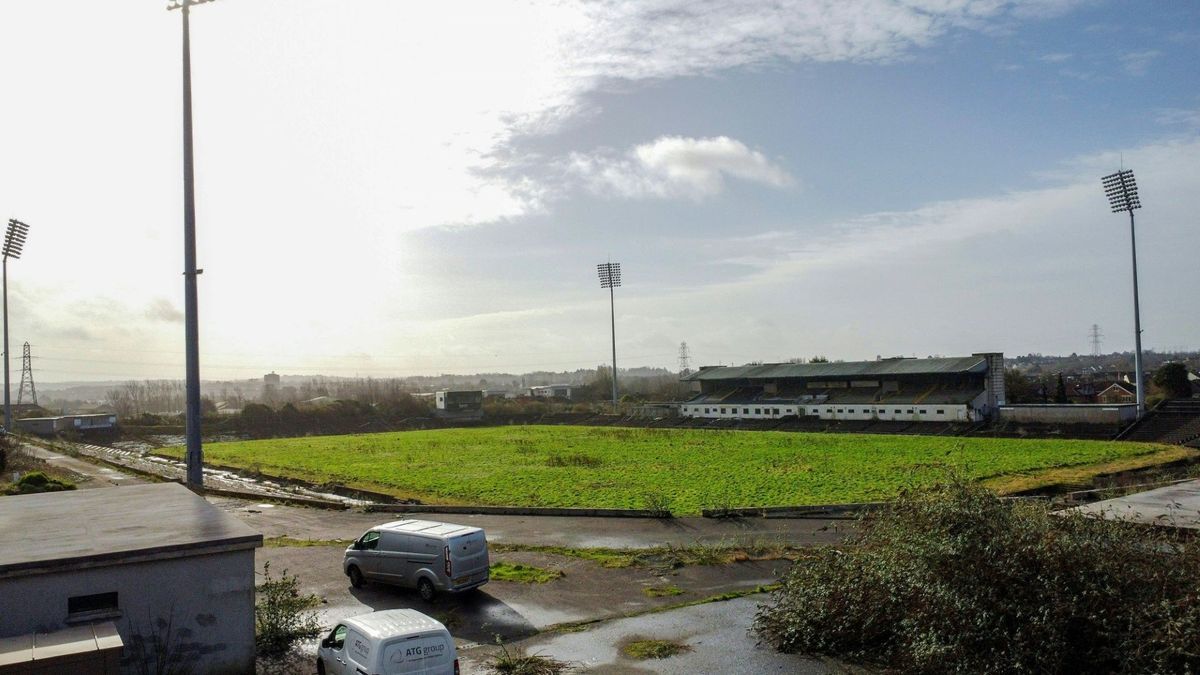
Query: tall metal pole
x,y
1122,192
14,242
612,313
7,395
1137,326
610,278
195,456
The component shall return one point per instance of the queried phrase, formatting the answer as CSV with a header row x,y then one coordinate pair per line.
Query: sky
x,y
405,188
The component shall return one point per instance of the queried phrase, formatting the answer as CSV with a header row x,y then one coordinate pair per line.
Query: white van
x,y
391,642
420,554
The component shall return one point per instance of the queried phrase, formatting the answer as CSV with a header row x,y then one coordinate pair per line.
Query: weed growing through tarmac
x,y
653,649
285,542
517,662
668,557
662,591
523,574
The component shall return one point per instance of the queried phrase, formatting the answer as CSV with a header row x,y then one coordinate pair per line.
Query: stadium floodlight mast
x,y
1122,192
195,456
14,241
610,278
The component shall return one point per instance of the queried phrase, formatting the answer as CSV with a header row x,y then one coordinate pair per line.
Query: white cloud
x,y
327,132
675,166
1056,57
161,309
1137,63
1179,116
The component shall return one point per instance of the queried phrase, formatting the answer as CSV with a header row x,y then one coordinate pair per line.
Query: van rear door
x,y
468,559
429,653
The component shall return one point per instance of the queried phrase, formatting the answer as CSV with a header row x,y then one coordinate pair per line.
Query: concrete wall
x,y
206,600
1064,413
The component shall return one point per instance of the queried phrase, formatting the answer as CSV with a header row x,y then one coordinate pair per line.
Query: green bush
x,y
954,579
282,615
35,482
7,444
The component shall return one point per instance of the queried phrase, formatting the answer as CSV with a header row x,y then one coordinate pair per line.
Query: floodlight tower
x,y
195,456
610,278
14,241
1122,192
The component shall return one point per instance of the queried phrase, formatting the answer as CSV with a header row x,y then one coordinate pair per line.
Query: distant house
x,y
465,404
318,402
562,391
143,557
1118,392
48,426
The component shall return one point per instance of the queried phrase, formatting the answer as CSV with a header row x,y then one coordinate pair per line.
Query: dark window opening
x,y
98,602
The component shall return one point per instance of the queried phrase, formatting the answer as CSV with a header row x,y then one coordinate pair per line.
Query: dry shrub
x,y
954,579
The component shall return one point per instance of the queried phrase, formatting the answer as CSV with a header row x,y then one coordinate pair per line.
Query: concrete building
x,y
466,404
270,387
1116,415
955,389
174,574
48,426
42,426
551,391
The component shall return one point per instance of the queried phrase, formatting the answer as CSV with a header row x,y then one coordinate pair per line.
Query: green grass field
x,y
685,470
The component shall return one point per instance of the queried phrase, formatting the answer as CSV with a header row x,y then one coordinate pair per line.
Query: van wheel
x,y
426,589
320,667
356,577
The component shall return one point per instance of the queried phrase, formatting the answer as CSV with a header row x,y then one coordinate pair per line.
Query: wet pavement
x,y
1171,506
514,611
138,458
90,475
569,531
717,636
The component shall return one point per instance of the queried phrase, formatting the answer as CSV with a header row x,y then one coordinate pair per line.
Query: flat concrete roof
x,y
1171,506
54,531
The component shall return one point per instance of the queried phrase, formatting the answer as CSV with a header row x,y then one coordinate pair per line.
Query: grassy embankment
x,y
685,470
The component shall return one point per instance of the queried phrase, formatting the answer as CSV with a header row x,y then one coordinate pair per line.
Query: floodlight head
x,y
177,4
14,238
1122,192
610,275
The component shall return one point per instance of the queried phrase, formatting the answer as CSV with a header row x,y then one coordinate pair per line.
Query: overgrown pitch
x,y
685,470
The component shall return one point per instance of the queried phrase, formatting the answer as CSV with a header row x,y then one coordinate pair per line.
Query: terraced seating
x,y
1176,421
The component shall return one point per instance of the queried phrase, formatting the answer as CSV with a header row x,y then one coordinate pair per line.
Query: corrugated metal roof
x,y
847,369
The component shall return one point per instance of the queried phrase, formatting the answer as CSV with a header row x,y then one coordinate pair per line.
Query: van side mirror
x,y
357,545
325,643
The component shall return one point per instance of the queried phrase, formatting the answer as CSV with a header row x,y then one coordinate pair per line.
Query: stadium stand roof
x,y
881,368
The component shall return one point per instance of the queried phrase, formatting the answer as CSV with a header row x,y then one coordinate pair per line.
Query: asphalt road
x,y
93,475
570,531
716,636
